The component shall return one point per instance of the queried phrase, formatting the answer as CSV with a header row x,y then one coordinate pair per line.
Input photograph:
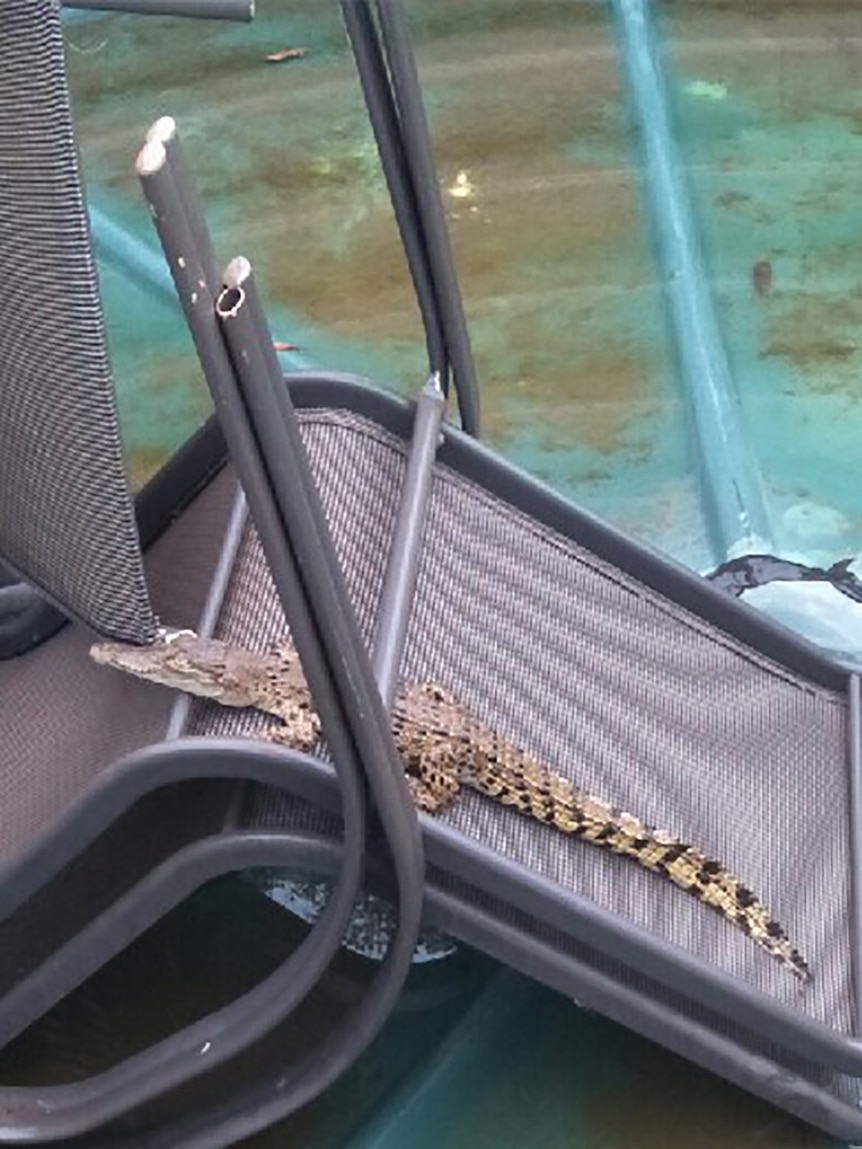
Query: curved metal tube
x,y
42,1114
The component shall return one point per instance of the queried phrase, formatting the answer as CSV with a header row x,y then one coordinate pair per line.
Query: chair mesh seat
x,y
632,697
67,520
64,720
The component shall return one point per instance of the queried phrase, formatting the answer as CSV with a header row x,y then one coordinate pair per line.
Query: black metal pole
x,y
384,123
408,535
165,132
240,10
417,145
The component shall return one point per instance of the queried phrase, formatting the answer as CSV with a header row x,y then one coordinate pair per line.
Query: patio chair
x,y
100,835
643,684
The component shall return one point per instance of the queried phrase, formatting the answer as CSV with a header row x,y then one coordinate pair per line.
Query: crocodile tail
x,y
521,781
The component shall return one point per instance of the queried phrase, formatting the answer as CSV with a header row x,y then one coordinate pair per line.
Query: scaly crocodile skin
x,y
444,745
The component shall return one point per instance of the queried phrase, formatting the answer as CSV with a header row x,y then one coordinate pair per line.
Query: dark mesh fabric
x,y
616,687
66,517
63,719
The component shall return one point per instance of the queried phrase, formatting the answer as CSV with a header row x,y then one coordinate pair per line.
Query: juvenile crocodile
x,y
444,745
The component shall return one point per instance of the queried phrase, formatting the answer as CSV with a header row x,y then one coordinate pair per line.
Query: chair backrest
x,y
67,521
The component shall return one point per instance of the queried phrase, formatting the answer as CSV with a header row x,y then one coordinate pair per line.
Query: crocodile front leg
x,y
300,728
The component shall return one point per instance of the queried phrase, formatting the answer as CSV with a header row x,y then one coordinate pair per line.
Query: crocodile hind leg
x,y
430,779
433,794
